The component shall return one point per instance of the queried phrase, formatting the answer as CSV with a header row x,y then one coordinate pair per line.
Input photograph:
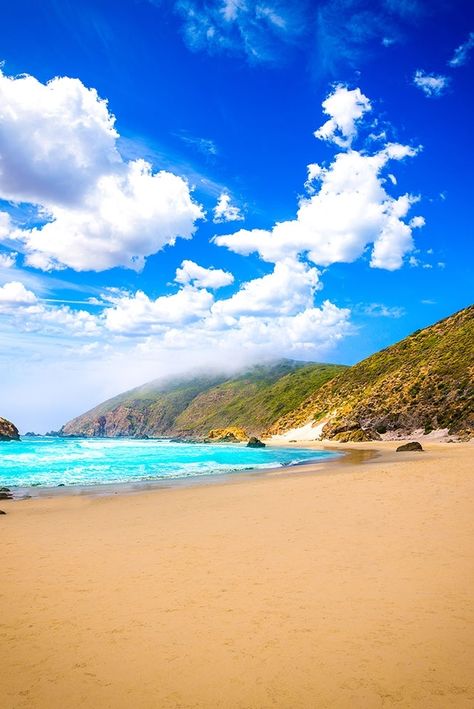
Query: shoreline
x,y
347,588
136,486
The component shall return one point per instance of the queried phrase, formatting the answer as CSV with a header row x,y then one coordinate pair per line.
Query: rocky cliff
x,y
8,431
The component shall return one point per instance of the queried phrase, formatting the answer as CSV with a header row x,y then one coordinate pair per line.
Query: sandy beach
x,y
342,585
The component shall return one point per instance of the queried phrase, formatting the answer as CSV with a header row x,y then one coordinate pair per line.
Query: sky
x,y
189,185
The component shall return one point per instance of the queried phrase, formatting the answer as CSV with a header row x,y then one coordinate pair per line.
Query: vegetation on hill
x,y
425,381
252,400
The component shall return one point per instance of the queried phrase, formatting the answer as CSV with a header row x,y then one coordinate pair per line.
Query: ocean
x,y
50,462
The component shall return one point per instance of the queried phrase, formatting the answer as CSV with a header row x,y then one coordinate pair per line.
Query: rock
x,y
357,435
2,512
231,434
5,489
8,431
254,442
412,446
6,496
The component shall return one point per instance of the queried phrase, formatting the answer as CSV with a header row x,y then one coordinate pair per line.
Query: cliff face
x,y
425,381
8,431
252,400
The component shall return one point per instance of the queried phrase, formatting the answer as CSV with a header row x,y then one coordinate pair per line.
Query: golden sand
x,y
353,588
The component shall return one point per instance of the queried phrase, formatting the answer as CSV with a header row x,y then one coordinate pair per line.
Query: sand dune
x,y
348,588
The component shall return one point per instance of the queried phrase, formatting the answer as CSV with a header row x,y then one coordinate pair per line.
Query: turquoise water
x,y
92,461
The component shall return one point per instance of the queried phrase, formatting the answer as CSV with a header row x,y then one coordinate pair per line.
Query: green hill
x,y
425,381
191,407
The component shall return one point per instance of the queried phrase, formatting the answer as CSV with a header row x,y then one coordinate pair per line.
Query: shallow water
x,y
50,462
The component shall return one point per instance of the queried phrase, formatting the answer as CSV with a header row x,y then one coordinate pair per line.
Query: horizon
x,y
185,185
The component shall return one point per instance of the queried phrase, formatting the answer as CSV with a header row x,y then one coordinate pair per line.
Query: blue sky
x,y
157,212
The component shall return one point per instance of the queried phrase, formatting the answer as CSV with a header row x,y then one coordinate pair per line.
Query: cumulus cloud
x,y
345,108
350,211
288,290
432,85
349,207
200,277
140,314
25,311
224,211
462,53
14,294
58,151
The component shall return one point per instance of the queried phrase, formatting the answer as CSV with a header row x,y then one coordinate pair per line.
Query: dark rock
x,y
2,512
412,446
5,489
8,431
6,496
61,485
254,442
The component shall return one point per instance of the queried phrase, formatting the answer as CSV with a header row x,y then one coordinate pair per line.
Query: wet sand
x,y
342,585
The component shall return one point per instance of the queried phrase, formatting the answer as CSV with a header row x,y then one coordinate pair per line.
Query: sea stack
x,y
8,431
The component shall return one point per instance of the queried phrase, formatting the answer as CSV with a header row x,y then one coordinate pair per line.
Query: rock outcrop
x,y
231,434
8,431
255,442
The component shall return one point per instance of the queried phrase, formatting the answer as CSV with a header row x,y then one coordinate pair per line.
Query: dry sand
x,y
350,588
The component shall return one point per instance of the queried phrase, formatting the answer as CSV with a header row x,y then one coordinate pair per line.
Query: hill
x,y
191,407
425,381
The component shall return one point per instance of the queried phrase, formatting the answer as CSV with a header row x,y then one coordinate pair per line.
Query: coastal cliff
x,y
426,382
8,431
194,407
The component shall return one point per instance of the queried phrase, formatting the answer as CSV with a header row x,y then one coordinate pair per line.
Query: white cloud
x,y
139,314
224,211
345,108
461,54
247,27
8,260
200,277
350,211
288,290
14,294
26,312
58,151
432,85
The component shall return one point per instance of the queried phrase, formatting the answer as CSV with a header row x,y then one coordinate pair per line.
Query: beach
x,y
343,584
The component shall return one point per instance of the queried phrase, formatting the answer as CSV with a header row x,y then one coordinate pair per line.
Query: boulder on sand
x,y
412,446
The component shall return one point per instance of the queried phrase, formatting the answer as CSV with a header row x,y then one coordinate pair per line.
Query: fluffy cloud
x,y
432,85
288,290
25,311
350,211
345,108
200,277
349,207
224,211
139,314
58,151
15,294
462,53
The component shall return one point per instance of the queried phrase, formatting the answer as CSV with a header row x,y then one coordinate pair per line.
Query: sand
x,y
353,587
